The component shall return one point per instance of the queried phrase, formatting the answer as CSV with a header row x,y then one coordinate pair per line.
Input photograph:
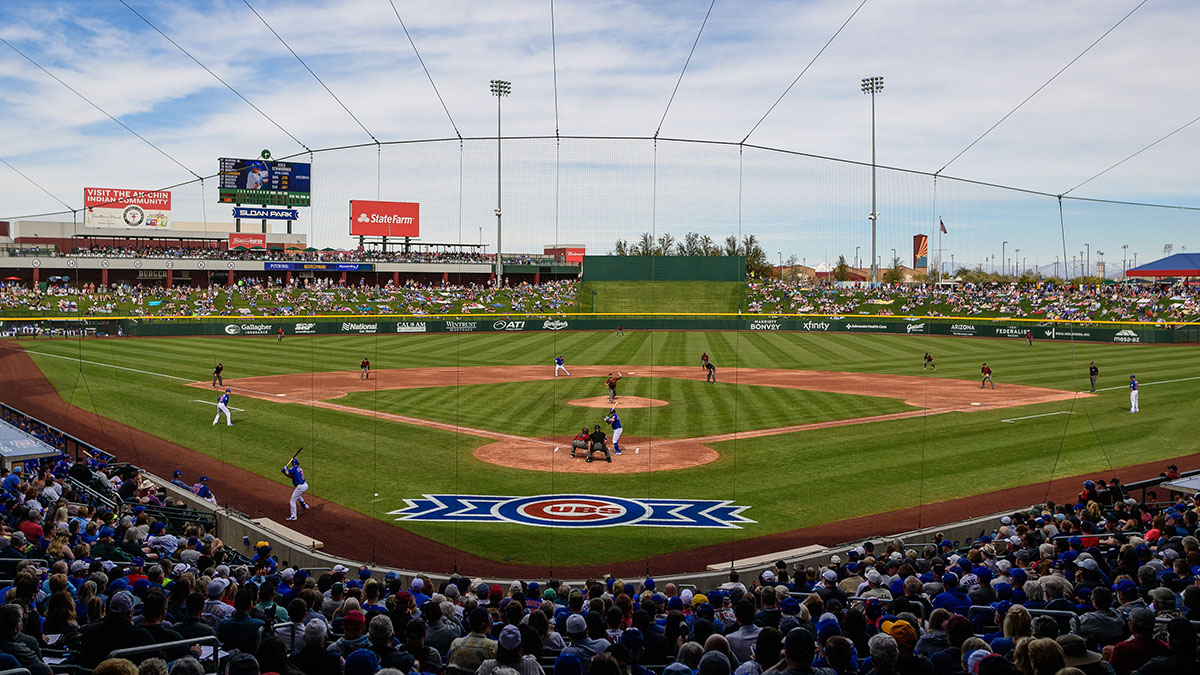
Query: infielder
x,y
299,485
612,387
223,407
364,370
928,362
217,375
1093,373
710,372
1133,394
987,376
615,421
558,365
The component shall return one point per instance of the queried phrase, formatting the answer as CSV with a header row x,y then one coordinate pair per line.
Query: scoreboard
x,y
264,182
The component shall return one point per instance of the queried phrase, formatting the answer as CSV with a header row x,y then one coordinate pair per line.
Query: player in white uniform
x,y
616,428
558,365
223,407
299,485
1133,394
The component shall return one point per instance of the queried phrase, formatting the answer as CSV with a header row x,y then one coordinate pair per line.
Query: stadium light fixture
x,y
499,89
872,86
1124,257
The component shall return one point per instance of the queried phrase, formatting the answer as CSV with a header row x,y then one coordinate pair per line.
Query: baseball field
x,y
801,429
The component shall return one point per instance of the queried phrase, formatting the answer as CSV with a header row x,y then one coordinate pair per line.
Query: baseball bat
x,y
293,457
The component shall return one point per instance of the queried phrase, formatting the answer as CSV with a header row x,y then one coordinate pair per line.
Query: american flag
x,y
942,226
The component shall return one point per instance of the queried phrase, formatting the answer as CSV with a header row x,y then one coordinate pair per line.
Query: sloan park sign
x,y
574,510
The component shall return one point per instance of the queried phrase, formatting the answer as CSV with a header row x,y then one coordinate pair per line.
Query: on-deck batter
x,y
299,485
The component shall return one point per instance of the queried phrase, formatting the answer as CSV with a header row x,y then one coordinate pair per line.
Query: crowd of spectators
x,y
1102,585
1105,302
254,295
281,254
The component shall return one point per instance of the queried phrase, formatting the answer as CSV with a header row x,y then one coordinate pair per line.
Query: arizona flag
x,y
942,226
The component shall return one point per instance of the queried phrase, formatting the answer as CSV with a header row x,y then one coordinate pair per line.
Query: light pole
x,y
893,256
1087,268
1016,256
856,259
1124,258
500,89
1082,267
872,86
1055,267
780,264
1002,258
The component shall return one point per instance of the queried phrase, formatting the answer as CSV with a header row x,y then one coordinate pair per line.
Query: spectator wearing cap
x,y
743,640
509,654
849,585
1181,638
582,645
1077,655
354,634
313,658
114,631
215,609
828,589
1131,654
873,587
633,640
468,652
953,599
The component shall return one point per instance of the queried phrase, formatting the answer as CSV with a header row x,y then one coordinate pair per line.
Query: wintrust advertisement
x,y
384,219
129,209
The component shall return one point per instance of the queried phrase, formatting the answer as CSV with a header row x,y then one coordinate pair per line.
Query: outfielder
x,y
299,485
612,387
928,362
1133,394
615,421
223,407
217,375
364,370
1028,338
558,365
987,376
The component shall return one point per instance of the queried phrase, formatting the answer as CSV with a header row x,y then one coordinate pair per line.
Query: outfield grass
x,y
719,297
696,408
789,481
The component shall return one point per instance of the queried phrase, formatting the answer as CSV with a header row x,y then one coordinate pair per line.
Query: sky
x,y
951,69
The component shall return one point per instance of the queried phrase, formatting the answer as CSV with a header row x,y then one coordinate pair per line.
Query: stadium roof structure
x,y
1178,265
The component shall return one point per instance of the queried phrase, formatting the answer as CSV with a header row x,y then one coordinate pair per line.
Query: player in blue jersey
x,y
615,421
1133,394
299,485
558,365
223,407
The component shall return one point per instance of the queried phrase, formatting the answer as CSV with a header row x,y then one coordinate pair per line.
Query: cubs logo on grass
x,y
574,510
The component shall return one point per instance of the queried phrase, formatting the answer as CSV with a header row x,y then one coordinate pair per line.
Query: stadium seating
x,y
97,564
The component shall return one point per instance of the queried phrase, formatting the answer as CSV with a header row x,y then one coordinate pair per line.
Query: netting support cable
x,y
1044,85
1194,120
554,65
215,76
37,185
426,69
685,67
104,112
310,70
802,72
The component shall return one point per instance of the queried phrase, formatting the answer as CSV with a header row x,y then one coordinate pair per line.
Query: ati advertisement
x,y
130,209
384,219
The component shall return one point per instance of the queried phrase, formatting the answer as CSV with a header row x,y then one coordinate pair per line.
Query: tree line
x,y
695,244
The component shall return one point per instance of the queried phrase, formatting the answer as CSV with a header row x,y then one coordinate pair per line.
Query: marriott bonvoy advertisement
x,y
115,207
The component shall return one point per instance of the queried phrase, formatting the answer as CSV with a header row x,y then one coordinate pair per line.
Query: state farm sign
x,y
384,219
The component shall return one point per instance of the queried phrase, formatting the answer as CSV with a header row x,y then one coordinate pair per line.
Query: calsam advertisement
x,y
384,219
114,207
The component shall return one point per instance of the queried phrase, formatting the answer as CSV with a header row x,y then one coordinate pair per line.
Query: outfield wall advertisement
x,y
361,326
140,209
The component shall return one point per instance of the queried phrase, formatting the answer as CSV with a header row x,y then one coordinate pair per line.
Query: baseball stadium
x,y
641,383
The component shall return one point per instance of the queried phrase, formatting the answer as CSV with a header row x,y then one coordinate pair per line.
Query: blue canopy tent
x,y
1178,265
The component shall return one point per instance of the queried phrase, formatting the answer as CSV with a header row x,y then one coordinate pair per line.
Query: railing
x,y
78,444
163,647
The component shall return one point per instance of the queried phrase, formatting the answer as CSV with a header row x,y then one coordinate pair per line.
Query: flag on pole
x,y
942,226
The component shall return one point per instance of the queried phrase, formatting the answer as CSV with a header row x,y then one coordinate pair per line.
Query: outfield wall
x,y
370,326
663,268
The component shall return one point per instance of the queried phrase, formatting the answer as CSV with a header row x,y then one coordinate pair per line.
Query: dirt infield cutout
x,y
930,394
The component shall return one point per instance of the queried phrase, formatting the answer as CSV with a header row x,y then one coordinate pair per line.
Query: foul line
x,y
1029,417
1147,384
196,400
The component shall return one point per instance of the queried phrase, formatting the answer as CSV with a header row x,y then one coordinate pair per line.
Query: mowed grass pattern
x,y
789,481
661,296
696,408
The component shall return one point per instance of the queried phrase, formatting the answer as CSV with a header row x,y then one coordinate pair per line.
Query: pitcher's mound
x,y
639,456
622,402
